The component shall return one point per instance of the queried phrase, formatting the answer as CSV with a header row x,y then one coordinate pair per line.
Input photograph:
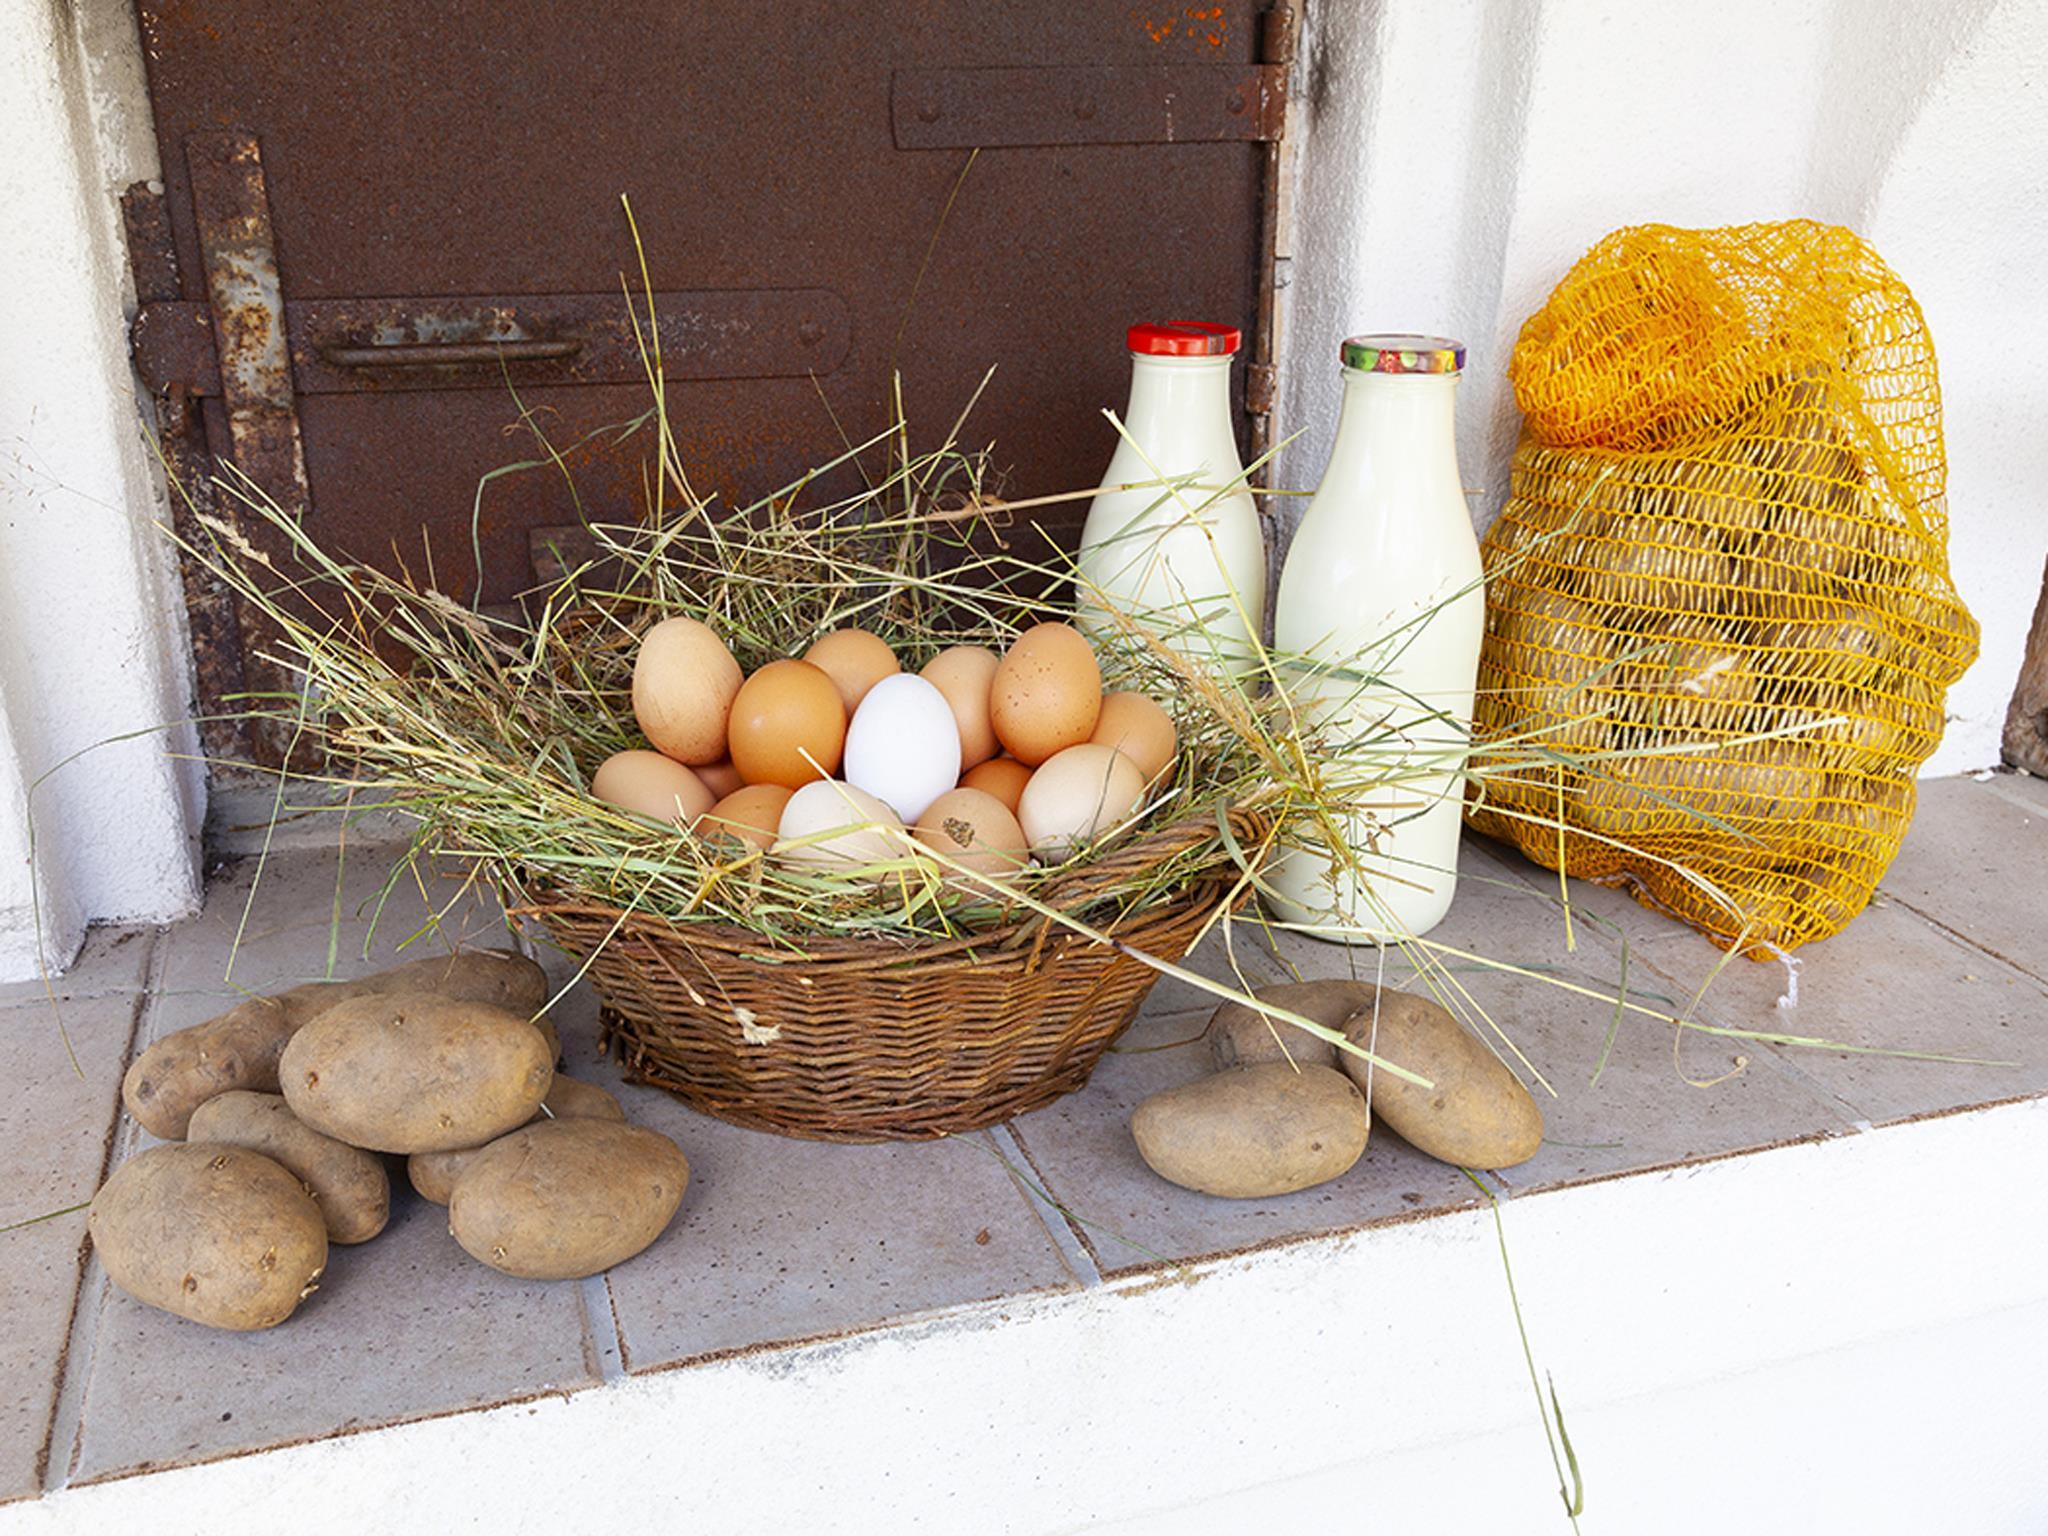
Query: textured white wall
x,y
92,640
1457,156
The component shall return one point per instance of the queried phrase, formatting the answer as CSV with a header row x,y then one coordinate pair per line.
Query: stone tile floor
x,y
782,1241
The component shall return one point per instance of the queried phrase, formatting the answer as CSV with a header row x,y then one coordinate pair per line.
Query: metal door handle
x,y
441,354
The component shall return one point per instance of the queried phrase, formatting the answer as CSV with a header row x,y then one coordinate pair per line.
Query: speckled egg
x,y
1046,694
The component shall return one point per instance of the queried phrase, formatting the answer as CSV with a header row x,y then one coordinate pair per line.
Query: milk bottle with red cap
x,y
1382,589
1186,560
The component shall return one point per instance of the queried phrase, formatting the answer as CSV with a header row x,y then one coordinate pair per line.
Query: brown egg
x,y
1077,796
787,726
721,778
1046,694
855,660
684,680
752,813
650,785
964,673
973,828
1137,727
1003,777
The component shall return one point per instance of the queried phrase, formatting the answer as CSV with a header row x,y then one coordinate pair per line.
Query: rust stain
x,y
1205,23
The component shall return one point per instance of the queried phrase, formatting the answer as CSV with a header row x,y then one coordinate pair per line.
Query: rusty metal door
x,y
388,231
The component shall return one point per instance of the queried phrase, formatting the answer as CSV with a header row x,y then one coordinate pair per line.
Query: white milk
x,y
1177,558
1386,539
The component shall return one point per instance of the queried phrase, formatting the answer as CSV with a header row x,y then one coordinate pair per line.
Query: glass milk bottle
x,y
1383,579
1187,562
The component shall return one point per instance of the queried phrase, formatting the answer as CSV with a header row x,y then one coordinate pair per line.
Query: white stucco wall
x,y
1457,156
92,641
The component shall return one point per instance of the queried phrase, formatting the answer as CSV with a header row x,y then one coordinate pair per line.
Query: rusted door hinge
x,y
231,206
1276,35
211,615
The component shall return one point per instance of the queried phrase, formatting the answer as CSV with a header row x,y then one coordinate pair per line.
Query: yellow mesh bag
x,y
1719,618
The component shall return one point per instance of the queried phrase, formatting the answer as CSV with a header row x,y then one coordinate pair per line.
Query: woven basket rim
x,y
1033,929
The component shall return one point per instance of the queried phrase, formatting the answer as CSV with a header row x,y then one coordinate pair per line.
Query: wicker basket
x,y
860,1040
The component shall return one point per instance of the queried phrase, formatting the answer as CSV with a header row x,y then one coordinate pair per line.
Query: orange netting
x,y
1719,617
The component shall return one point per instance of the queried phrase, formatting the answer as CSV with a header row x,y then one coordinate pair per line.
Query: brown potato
x,y
221,1235
1477,1114
1634,560
1253,1131
1553,660
240,1049
1244,1037
568,1198
351,1186
414,1072
570,1098
501,977
433,1174
1693,684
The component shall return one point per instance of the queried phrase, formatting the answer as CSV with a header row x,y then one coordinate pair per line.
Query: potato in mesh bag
x,y
1633,561
1555,658
1731,463
1697,684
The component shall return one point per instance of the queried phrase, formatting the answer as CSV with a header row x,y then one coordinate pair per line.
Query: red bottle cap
x,y
1184,338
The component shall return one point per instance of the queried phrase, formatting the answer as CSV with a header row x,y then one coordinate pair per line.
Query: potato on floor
x,y
240,1048
351,1186
218,1234
567,1198
414,1072
1253,1131
433,1174
1240,1036
1474,1114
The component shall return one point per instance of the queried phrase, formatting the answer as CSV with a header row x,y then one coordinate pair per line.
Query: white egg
x,y
903,746
829,824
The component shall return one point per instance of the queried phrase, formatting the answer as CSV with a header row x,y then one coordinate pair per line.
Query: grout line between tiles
x,y
2006,787
66,999
1782,1058
601,1326
1072,1248
1775,1057
1957,936
81,1344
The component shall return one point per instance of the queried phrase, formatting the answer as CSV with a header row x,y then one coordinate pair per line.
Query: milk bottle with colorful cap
x,y
1382,589
1187,560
